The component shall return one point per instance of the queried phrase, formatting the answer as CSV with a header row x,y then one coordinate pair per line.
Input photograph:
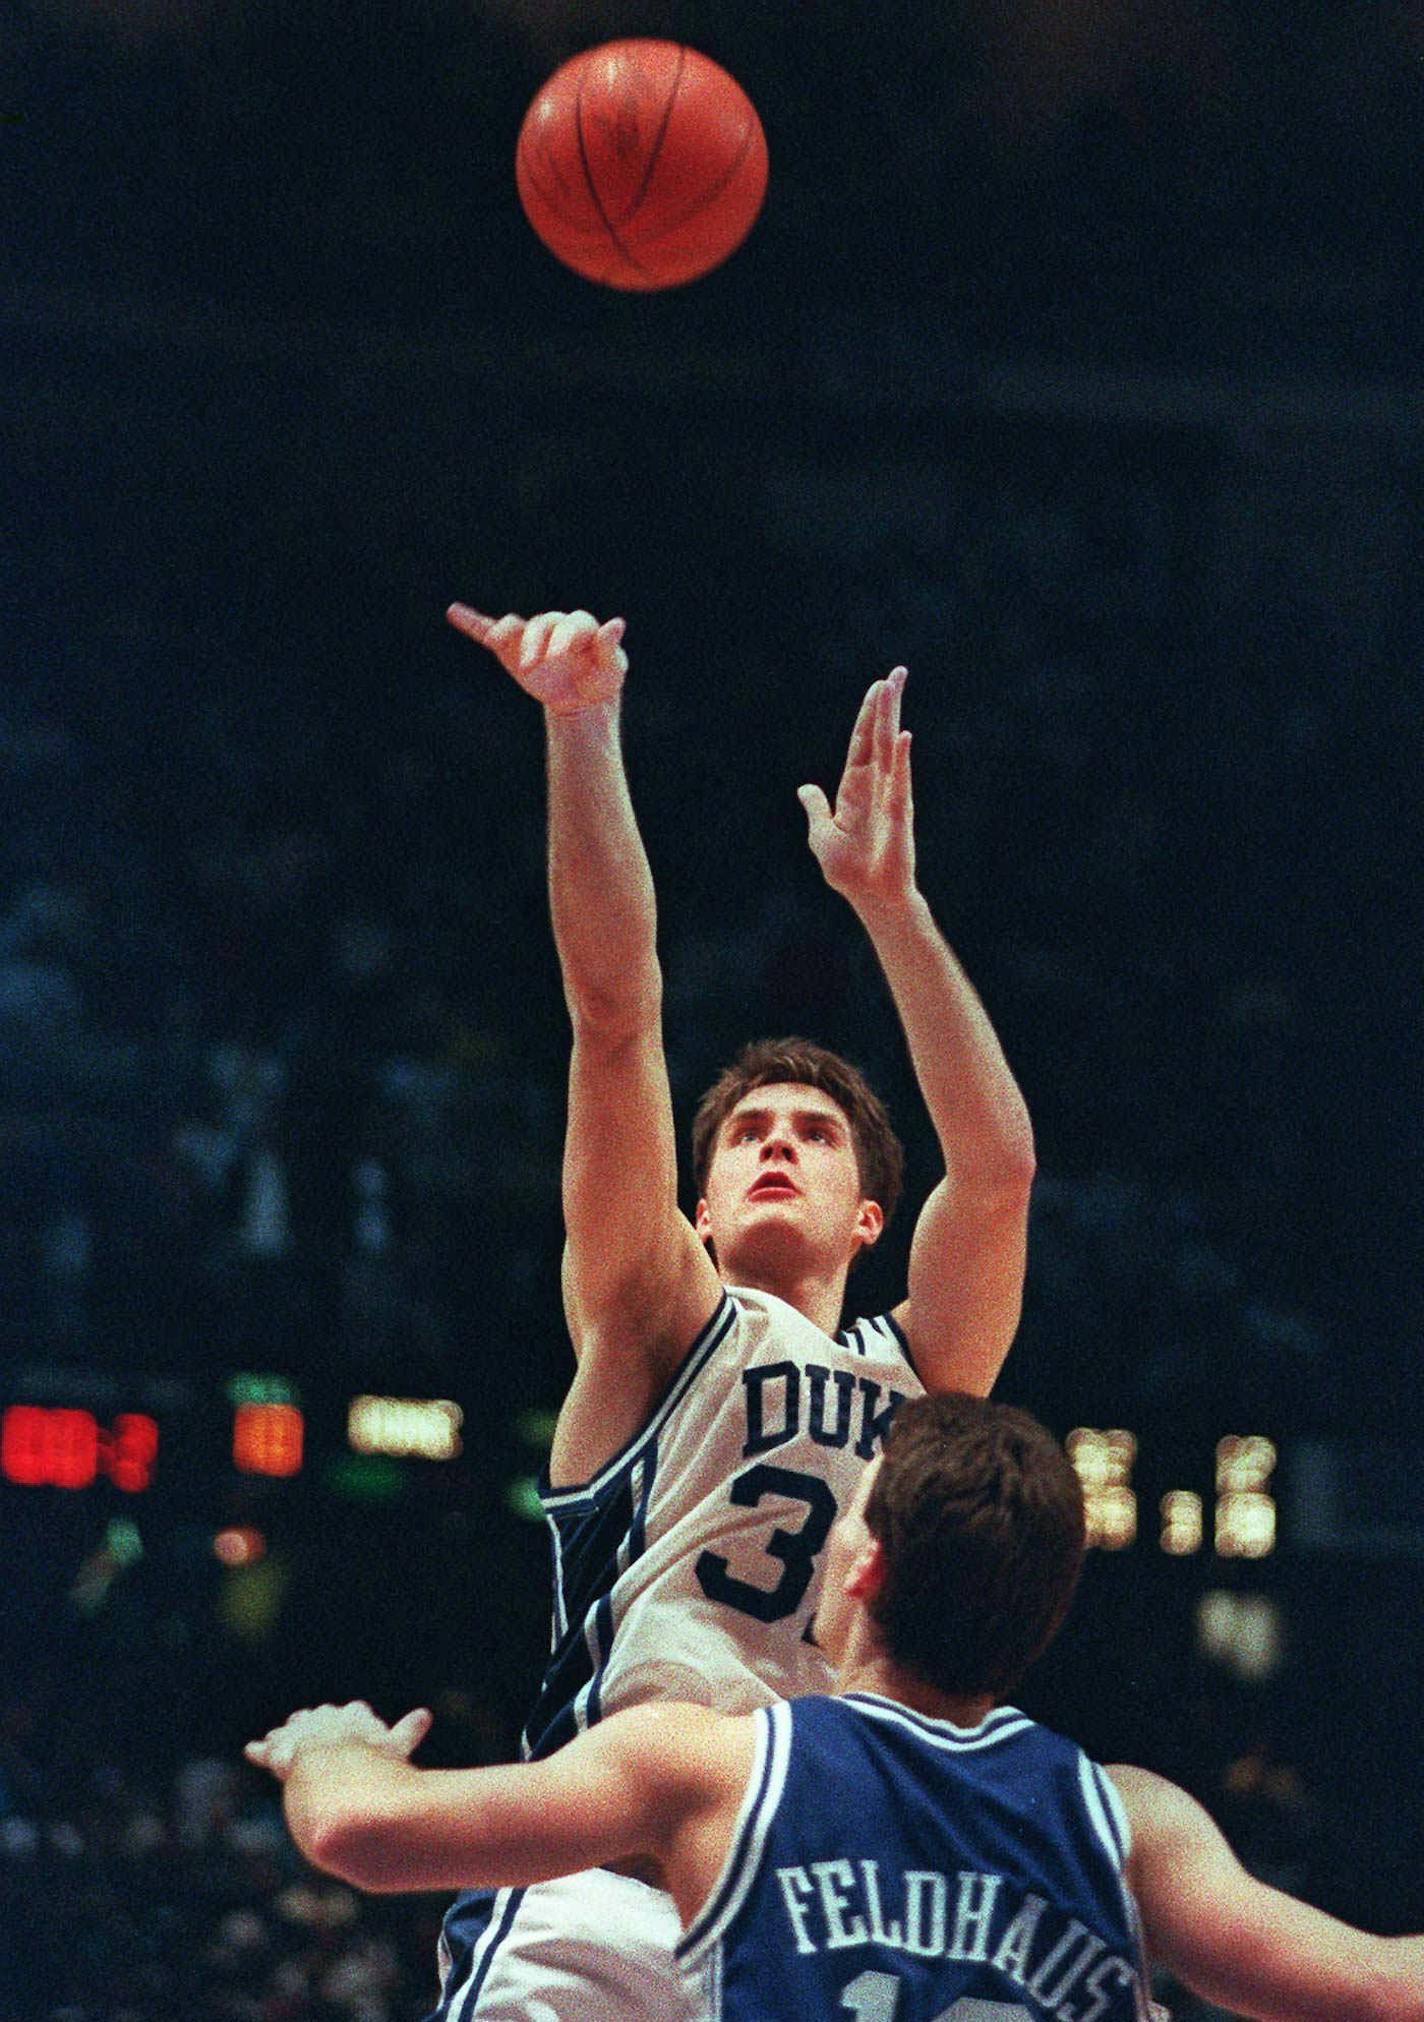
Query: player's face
x,y
783,1184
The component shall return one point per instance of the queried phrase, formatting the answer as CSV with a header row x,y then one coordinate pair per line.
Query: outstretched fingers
x,y
409,1732
899,793
887,719
500,635
862,736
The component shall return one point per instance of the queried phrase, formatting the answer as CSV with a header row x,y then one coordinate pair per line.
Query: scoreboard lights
x,y
51,1446
1244,1525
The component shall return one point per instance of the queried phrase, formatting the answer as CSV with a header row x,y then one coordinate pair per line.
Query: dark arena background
x,y
1076,361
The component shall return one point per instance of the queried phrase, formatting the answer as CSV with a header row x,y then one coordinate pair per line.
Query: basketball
x,y
641,164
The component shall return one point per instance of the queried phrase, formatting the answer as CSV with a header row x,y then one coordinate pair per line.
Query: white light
x,y
422,1428
1243,1464
1103,1461
1243,1632
1245,1525
1181,1522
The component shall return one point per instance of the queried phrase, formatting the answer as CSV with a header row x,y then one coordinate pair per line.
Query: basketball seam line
x,y
618,244
556,198
658,137
707,196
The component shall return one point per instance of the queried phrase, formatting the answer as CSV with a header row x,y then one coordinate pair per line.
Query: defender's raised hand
x,y
866,845
565,659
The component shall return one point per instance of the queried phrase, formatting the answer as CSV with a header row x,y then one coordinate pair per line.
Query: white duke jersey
x,y
689,1566
907,1870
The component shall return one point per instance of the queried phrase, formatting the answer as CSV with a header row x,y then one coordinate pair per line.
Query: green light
x,y
123,1543
247,1388
536,1428
522,1496
365,1477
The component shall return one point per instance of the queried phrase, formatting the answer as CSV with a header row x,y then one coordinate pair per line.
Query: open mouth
x,y
773,1189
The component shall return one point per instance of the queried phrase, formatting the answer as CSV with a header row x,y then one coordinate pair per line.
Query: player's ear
x,y
869,1222
866,1575
702,1223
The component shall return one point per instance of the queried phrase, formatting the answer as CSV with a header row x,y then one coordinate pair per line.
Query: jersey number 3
x,y
795,1549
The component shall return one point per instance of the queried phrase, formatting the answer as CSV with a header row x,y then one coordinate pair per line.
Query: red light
x,y
22,1445
46,1447
42,1448
132,1450
267,1439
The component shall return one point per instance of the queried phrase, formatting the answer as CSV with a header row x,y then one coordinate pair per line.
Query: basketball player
x,y
912,1849
720,1414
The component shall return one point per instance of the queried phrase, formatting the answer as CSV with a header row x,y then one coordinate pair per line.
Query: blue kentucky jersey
x,y
900,1869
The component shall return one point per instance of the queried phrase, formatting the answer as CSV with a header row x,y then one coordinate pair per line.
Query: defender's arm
x,y
652,1789
1233,1940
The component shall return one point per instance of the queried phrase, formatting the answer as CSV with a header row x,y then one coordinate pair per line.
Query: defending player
x,y
912,1849
720,1415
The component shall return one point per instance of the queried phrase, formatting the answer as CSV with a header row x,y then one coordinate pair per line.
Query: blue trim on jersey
x,y
759,1807
1105,1809
638,1531
588,1542
572,1685
458,2001
999,1725
593,1699
887,1327
708,1340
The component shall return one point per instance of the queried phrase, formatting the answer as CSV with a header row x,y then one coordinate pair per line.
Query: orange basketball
x,y
641,164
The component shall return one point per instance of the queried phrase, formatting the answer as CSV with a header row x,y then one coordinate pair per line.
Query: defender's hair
x,y
980,1514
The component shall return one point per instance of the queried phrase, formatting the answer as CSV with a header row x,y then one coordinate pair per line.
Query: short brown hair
x,y
879,1156
980,1515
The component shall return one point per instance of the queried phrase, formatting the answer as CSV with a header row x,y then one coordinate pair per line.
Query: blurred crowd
x,y
123,1900
283,1043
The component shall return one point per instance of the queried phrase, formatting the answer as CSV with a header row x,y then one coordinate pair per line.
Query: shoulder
x,y
1151,1798
1166,1823
691,1752
619,1398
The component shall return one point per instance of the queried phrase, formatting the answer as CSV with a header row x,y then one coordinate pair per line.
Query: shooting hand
x,y
565,659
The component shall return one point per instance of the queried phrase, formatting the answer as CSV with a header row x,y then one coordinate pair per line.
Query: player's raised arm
x,y
968,1252
637,1283
656,1789
1234,1940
